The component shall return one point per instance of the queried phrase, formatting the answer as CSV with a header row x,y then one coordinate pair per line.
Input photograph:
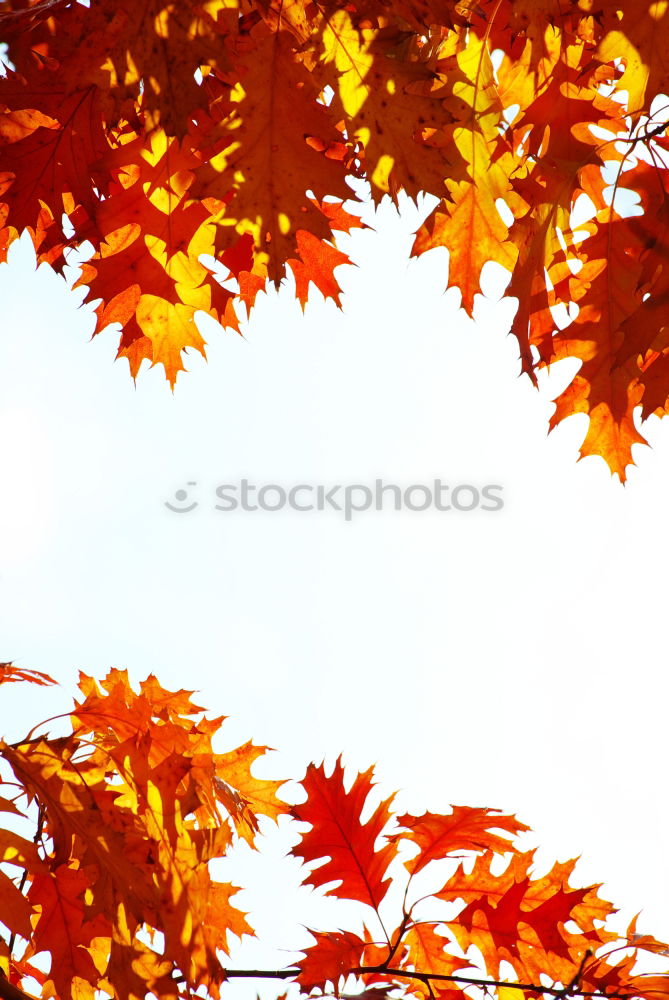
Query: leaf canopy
x,y
168,135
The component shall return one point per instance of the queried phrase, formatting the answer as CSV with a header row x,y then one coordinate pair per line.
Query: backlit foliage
x,y
107,832
167,133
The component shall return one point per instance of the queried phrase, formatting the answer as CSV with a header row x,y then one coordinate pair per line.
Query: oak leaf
x,y
162,136
330,958
427,953
464,829
129,823
11,674
114,897
338,835
515,918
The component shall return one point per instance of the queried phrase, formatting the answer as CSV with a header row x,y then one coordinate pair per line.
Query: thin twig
x,y
426,977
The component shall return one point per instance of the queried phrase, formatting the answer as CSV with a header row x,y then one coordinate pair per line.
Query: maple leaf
x,y
638,40
223,918
6,805
16,850
338,834
605,978
471,225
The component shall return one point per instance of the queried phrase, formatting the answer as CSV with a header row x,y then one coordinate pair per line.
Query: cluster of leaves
x,y
113,896
131,807
168,134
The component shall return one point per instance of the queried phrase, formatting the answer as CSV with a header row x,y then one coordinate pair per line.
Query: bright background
x,y
514,659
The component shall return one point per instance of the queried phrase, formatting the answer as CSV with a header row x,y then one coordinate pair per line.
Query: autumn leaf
x,y
316,264
114,48
645,941
64,931
388,90
426,953
9,674
464,829
148,273
330,958
112,894
245,796
16,909
278,145
338,834
130,822
223,917
160,136
50,139
515,918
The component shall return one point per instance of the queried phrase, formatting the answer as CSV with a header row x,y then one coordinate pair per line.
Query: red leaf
x,y
63,929
333,956
338,834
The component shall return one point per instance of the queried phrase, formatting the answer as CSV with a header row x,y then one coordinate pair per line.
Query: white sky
x,y
514,659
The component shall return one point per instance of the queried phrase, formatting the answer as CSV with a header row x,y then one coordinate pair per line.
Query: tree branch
x,y
425,977
10,992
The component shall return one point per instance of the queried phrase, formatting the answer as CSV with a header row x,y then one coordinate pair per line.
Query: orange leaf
x,y
316,265
465,829
11,674
514,918
426,953
332,956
